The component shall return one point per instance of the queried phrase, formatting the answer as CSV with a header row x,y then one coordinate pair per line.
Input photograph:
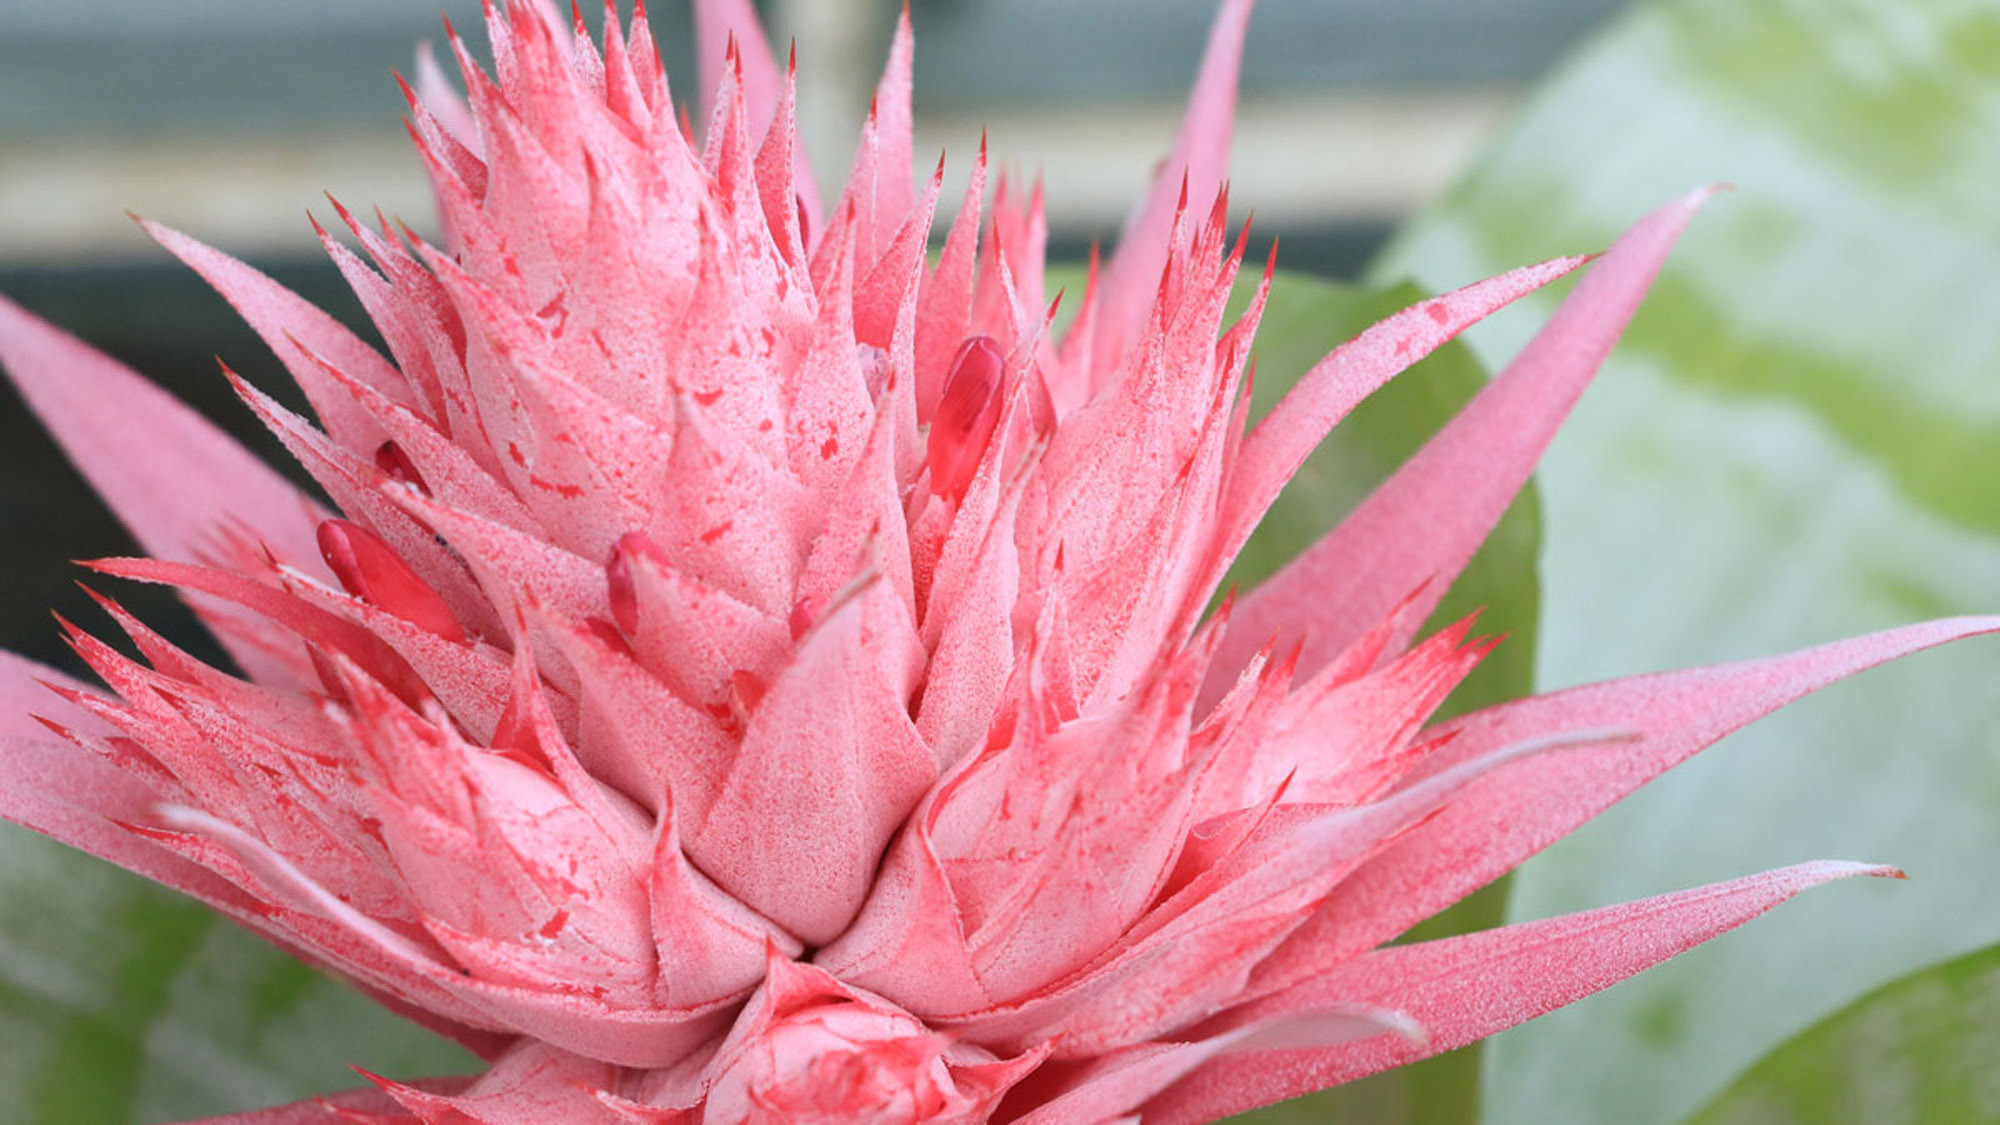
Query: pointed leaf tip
x,y
1522,971
1432,515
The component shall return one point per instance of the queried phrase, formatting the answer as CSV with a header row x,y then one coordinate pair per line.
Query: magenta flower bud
x,y
371,570
967,415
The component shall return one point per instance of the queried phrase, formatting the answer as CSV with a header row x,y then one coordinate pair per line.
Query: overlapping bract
x,y
761,674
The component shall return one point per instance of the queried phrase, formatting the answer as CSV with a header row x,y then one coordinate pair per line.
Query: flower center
x,y
836,1062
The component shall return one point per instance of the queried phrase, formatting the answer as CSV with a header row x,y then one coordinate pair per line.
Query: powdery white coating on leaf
x,y
177,482
758,675
357,1105
1464,988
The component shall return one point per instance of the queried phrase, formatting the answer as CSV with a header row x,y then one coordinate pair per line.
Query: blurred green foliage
x,y
1919,1051
1797,440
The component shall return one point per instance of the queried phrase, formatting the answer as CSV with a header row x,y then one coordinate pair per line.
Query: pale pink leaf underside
x,y
1465,988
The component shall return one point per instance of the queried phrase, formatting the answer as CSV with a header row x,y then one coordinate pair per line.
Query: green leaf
x,y
121,1001
1799,439
1915,1051
1305,319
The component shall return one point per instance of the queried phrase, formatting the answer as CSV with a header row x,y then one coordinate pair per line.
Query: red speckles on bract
x,y
757,675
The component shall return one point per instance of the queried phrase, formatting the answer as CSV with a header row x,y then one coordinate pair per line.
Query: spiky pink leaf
x,y
176,481
1425,523
1521,972
368,1105
1193,172
717,25
1523,807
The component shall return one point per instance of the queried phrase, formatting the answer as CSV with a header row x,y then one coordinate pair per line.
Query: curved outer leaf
x,y
1303,315
1919,1049
1798,439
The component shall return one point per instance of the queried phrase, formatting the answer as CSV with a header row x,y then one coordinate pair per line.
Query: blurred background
x,y
229,120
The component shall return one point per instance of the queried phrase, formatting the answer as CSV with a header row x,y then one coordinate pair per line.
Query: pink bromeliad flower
x,y
760,674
